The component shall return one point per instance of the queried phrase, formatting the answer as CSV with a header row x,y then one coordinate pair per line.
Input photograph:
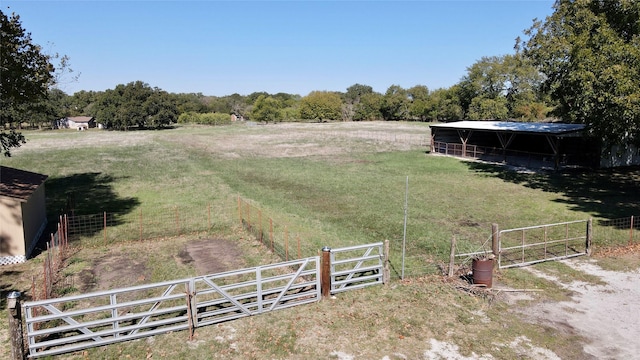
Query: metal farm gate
x,y
356,267
73,323
534,244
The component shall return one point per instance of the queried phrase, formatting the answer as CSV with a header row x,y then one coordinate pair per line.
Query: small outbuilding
x,y
76,122
23,214
536,145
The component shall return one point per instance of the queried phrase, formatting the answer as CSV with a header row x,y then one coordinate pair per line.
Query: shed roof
x,y
80,119
512,126
19,184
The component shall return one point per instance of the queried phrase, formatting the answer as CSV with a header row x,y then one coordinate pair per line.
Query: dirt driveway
x,y
608,315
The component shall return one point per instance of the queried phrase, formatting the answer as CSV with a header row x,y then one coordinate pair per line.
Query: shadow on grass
x,y
606,193
84,194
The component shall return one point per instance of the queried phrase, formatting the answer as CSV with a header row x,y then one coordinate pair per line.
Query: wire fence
x,y
55,255
291,240
144,224
614,232
281,239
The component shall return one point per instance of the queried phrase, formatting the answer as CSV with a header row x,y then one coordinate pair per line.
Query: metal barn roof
x,y
512,126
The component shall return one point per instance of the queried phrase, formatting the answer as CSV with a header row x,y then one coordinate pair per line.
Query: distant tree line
x,y
579,65
494,88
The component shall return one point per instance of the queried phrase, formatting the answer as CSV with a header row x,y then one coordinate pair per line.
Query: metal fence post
x,y
386,270
589,234
325,276
15,325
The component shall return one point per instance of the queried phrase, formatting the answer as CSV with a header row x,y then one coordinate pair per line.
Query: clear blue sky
x,y
225,47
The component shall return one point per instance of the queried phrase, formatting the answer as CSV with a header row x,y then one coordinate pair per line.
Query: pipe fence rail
x,y
72,323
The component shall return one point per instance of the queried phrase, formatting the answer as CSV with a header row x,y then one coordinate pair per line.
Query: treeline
x,y
494,88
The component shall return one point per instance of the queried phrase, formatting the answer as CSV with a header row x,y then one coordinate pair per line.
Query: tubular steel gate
x,y
534,244
356,267
73,323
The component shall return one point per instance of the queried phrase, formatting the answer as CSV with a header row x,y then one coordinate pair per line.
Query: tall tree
x,y
135,104
26,74
395,103
266,108
589,51
352,100
420,102
368,108
320,106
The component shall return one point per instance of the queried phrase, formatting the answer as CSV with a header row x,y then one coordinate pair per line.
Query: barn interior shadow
x,y
85,194
604,193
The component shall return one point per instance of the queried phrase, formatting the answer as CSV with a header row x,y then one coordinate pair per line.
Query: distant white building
x,y
76,122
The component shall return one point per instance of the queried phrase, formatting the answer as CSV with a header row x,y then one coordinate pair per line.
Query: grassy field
x,y
333,184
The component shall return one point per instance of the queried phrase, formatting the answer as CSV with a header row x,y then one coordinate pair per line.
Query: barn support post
x,y
15,325
325,274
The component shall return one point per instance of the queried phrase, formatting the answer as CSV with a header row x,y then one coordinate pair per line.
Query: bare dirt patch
x,y
113,271
606,314
130,267
210,256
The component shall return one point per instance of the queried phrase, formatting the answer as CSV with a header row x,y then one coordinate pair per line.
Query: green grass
x,y
328,189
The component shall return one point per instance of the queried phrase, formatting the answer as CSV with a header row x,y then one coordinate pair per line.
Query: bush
x,y
204,119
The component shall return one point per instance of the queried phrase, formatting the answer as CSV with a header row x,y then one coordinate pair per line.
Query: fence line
x,y
276,237
622,228
145,224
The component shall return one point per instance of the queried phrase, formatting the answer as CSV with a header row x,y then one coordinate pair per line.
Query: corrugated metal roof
x,y
512,126
19,184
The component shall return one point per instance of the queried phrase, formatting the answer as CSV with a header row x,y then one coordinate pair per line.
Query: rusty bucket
x,y
482,270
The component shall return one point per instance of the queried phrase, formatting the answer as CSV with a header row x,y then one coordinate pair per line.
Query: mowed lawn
x,y
334,184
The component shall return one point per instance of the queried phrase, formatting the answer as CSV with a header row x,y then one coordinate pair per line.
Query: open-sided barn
x,y
23,215
539,145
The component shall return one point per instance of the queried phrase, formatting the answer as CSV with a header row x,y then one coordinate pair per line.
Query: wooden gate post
x,y
325,274
15,325
495,244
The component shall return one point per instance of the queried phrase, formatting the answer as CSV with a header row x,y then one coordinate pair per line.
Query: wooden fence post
x,y
386,269
495,240
325,276
15,325
452,256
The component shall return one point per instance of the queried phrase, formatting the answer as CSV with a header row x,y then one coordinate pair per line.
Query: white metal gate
x,y
534,244
73,323
356,267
